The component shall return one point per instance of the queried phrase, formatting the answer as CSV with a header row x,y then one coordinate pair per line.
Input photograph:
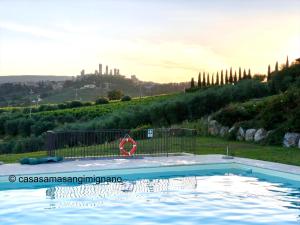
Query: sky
x,y
157,40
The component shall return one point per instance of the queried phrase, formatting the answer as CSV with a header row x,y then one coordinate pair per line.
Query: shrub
x,y
2,122
47,107
62,106
24,126
248,89
101,100
65,118
285,78
42,127
28,145
87,104
233,113
74,104
282,110
275,137
11,127
232,135
7,147
114,95
140,132
200,125
194,89
126,98
175,112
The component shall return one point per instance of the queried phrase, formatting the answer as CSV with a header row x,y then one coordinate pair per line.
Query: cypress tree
x,y
203,80
244,74
217,79
208,82
240,73
269,73
276,67
192,83
222,78
226,78
212,80
287,62
249,74
199,80
235,77
230,76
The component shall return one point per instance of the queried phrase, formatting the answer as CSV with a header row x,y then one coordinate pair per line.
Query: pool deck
x,y
105,164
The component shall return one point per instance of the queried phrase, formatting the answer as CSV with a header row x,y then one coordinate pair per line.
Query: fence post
x,y
49,143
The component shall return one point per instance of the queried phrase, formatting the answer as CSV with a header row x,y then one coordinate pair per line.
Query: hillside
x,y
277,113
250,102
20,133
83,88
32,78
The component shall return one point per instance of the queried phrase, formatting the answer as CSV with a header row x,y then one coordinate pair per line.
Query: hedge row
x,y
184,107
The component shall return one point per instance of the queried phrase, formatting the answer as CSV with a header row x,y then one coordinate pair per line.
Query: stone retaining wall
x,y
254,135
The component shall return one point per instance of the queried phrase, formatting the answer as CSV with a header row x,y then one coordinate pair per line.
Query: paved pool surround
x,y
106,164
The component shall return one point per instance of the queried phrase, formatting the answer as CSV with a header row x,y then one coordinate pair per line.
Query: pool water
x,y
210,196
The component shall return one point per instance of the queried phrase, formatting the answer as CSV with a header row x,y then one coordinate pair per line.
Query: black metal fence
x,y
105,143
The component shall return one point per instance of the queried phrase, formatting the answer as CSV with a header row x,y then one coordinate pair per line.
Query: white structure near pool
x,y
183,189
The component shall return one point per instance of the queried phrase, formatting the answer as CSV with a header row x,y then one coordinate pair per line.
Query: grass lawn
x,y
12,158
212,145
209,145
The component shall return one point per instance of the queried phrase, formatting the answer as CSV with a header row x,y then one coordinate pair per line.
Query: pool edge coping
x,y
202,160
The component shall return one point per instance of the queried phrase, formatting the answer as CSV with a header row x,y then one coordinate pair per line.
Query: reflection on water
x,y
96,193
219,199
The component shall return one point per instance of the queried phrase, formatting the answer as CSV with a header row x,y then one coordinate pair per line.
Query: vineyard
x,y
20,131
89,112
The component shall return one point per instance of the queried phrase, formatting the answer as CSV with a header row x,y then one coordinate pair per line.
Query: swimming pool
x,y
227,193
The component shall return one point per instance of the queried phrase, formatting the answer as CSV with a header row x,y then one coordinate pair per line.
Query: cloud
x,y
32,30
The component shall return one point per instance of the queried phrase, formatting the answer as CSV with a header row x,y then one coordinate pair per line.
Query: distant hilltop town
x,y
82,87
108,71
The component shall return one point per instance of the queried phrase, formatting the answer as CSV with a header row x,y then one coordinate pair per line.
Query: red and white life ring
x,y
123,142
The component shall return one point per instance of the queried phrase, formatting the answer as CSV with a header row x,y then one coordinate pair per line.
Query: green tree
x,y
276,67
117,94
199,80
235,77
269,73
11,127
101,100
192,83
204,80
74,104
287,62
217,79
212,80
3,119
24,126
284,79
240,73
222,78
126,98
230,76
249,74
226,78
244,74
208,81
41,127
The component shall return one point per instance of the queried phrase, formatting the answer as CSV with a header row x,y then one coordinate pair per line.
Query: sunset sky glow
x,y
162,41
